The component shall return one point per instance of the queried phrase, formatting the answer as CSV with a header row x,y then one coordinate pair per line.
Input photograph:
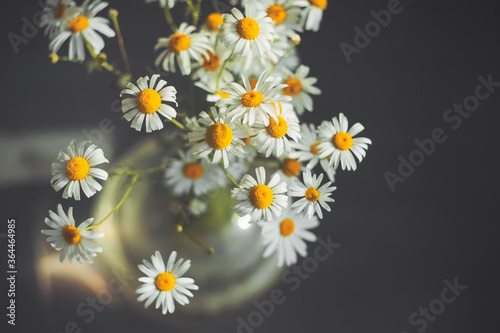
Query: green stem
x,y
89,47
228,175
111,68
118,205
169,18
139,172
121,43
196,14
178,124
222,71
284,56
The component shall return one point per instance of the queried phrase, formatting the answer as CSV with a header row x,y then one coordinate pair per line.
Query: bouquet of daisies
x,y
246,62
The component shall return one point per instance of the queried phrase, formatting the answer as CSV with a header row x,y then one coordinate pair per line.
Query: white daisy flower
x,y
54,15
286,236
312,195
183,45
208,72
254,104
81,24
142,103
312,13
306,150
73,241
285,15
338,144
75,168
165,283
260,201
299,88
247,35
274,137
217,135
187,174
164,3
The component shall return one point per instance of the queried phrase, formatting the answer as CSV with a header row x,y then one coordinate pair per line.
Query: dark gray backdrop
x,y
397,247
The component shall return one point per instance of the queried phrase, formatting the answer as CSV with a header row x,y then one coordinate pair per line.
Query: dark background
x,y
397,248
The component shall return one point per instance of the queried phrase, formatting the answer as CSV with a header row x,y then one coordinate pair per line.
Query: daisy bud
x,y
101,58
210,251
113,13
53,58
295,38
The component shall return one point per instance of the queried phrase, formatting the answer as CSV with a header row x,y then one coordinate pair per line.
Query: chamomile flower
x,y
217,135
286,236
248,35
260,201
53,17
306,150
81,25
285,15
312,13
209,71
75,169
165,283
164,3
72,241
183,45
274,137
254,104
338,142
142,103
189,175
299,88
312,195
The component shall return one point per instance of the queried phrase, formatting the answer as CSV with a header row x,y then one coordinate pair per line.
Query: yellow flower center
x,y
294,87
287,227
192,170
321,4
219,136
261,196
165,281
252,99
247,141
248,28
223,94
213,21
253,83
212,63
59,10
277,13
71,235
342,141
148,101
312,194
290,167
313,149
179,43
80,23
277,130
77,168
